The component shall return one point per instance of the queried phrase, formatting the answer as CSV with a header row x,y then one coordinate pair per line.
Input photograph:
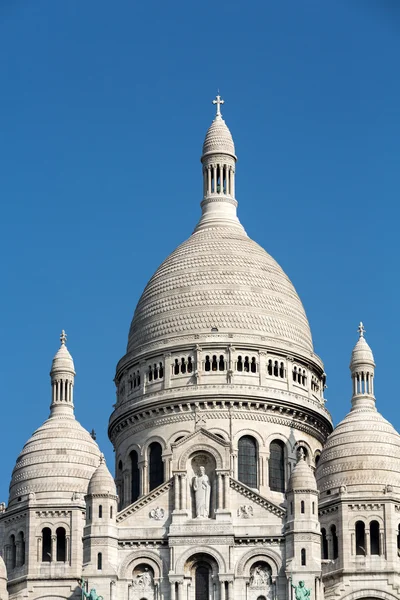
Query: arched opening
x,y
277,466
202,582
214,364
253,366
282,370
207,364
324,545
176,367
183,365
221,363
61,544
302,507
239,364
143,576
21,540
13,546
46,544
190,365
303,557
100,511
246,364
111,512
335,542
99,561
360,538
135,476
398,541
247,461
374,537
269,368
156,466
276,368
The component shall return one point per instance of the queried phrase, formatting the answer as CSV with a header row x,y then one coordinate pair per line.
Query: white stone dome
x,y
302,477
220,280
56,462
362,453
218,139
102,482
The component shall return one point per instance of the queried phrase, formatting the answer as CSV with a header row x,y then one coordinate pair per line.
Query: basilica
x,y
231,482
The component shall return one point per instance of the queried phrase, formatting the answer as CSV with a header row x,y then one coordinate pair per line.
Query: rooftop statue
x,y
92,595
300,591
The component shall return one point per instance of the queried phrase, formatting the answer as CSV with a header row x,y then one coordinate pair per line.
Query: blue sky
x,y
103,111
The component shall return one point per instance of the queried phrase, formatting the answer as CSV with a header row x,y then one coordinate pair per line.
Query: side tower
x,y
358,479
217,392
43,523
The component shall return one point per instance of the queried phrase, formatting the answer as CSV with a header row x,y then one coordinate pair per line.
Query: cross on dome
x,y
63,338
218,101
361,329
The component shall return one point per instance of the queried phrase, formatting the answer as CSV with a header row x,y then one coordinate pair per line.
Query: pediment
x,y
201,441
152,509
243,497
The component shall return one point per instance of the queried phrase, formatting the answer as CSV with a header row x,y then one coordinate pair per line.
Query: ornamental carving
x,y
245,511
157,513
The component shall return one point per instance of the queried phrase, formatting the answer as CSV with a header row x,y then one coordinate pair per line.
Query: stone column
x,y
176,492
173,588
184,491
230,591
367,542
68,549
39,549
53,548
226,491
220,498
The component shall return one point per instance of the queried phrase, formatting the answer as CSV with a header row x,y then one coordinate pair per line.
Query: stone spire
x,y
219,161
362,367
62,380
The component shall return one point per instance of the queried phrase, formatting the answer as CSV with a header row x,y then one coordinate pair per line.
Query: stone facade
x,y
219,427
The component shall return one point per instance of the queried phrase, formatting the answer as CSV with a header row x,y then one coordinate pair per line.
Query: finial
x,y
218,101
93,434
63,338
301,454
361,329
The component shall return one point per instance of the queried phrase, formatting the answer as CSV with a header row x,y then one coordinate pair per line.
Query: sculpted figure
x,y
300,591
92,595
144,580
202,489
259,578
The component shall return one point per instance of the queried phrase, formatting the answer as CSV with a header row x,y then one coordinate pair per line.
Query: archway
x,y
201,577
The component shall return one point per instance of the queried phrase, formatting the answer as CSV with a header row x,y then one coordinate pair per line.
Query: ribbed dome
x,y
102,482
302,477
219,278
362,453
218,138
58,460
362,354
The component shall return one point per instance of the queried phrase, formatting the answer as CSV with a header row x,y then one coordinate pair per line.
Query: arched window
x,y
207,364
302,507
61,544
246,364
161,370
156,466
239,364
282,370
89,513
13,551
277,466
324,545
135,476
398,540
46,544
155,369
303,557
374,537
214,364
253,366
202,583
335,542
21,540
150,376
190,365
99,561
270,367
183,365
247,461
100,511
176,367
360,538
221,363
111,512
276,368
313,508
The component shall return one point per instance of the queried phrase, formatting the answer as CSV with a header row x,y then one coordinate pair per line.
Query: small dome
x,y
362,453
3,570
62,360
218,139
56,462
102,482
361,355
302,477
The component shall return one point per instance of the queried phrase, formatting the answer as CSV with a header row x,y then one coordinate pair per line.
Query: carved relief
x,y
245,511
157,513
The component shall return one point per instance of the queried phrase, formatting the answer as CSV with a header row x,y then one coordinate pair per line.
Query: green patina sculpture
x,y
300,591
92,595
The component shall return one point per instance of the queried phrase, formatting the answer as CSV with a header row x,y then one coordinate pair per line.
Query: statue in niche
x,y
143,580
260,577
300,591
202,491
